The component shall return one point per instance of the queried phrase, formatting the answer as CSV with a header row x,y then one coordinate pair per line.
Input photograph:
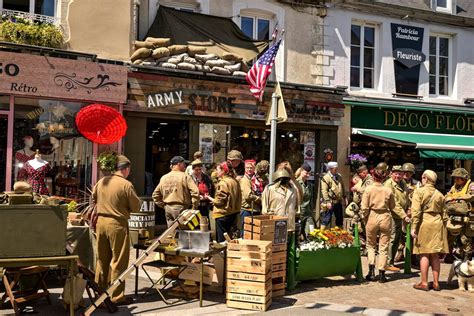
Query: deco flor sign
x,y
48,77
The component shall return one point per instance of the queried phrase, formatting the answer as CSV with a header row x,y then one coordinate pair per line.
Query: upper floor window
x,y
43,7
255,27
443,5
362,56
439,65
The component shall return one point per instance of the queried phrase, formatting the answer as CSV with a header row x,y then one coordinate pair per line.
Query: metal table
x,y
68,261
217,248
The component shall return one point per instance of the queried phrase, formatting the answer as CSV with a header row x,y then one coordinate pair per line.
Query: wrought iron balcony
x,y
30,16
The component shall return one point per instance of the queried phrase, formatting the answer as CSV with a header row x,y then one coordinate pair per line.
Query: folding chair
x,y
165,269
11,278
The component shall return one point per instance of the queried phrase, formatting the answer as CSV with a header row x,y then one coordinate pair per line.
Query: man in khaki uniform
x,y
115,199
397,185
377,204
251,200
358,189
333,196
176,191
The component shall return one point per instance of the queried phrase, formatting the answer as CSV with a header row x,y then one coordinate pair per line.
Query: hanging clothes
x,y
22,157
36,178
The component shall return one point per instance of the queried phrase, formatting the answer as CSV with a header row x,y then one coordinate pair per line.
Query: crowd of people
x,y
383,203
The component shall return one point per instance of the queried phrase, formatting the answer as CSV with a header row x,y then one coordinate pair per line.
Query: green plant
x,y
23,31
107,160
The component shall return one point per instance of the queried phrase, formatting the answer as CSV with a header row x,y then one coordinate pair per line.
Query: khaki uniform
x,y
360,189
250,201
332,191
175,193
459,202
115,198
377,204
281,201
228,197
306,206
429,221
398,214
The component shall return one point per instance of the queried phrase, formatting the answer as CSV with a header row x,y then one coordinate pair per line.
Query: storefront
x,y
177,113
39,98
438,138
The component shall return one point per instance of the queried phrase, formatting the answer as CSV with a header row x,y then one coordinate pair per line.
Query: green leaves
x,y
23,31
107,160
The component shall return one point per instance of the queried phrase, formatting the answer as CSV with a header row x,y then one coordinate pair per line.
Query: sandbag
x,y
142,44
204,68
186,66
204,58
160,52
141,53
178,49
167,65
137,62
217,63
220,71
174,60
163,59
239,73
232,68
193,50
180,57
190,60
158,42
231,56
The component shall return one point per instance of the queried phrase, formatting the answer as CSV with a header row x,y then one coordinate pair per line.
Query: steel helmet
x,y
280,173
460,173
382,166
408,167
454,228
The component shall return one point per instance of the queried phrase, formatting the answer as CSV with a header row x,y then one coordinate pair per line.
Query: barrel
x,y
143,221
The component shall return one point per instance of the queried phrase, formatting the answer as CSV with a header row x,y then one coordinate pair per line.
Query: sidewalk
x,y
330,296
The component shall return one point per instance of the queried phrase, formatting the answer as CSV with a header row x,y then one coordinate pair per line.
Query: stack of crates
x,y
272,228
249,274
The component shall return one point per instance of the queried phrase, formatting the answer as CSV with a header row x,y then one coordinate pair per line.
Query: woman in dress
x,y
429,229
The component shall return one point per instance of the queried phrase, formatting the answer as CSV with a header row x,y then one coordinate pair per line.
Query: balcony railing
x,y
30,16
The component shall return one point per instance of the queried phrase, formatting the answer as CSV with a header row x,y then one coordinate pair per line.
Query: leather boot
x,y
371,275
382,278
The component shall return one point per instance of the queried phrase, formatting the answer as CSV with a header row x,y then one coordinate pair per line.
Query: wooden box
x,y
267,227
249,274
279,257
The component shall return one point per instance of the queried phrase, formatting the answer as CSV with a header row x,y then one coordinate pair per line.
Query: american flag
x,y
258,74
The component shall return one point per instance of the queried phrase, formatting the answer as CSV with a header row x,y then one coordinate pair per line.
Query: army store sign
x,y
48,77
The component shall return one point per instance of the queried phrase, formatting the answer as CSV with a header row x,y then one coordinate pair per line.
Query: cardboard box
x,y
192,273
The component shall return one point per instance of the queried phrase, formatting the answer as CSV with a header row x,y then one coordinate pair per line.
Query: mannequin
x,y
37,169
22,156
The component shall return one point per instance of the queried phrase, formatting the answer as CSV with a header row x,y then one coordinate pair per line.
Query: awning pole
x,y
273,134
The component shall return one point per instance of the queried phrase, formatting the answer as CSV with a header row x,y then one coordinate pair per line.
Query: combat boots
x,y
371,275
382,278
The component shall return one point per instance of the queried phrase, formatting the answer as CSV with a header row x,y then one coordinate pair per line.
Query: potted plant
x,y
107,161
23,31
356,160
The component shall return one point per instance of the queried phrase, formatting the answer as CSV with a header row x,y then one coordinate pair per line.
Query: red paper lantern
x,y
101,124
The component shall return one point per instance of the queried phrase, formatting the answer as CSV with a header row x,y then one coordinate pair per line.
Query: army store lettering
x,y
447,122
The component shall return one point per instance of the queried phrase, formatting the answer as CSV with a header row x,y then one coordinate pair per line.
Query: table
x,y
69,261
217,248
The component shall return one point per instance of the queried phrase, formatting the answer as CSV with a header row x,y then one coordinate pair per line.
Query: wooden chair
x,y
11,278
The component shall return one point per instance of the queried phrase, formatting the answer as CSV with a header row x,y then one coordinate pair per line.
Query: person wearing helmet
x,y
307,204
459,202
235,158
383,167
280,197
399,215
333,196
377,204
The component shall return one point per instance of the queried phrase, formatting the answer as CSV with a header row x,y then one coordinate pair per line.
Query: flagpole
x,y
273,134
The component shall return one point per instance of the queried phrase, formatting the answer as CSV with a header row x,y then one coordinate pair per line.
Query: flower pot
x,y
327,262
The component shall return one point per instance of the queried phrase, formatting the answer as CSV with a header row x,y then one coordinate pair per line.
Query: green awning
x,y
431,145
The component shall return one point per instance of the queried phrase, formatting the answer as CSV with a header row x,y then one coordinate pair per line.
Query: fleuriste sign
x,y
49,77
407,43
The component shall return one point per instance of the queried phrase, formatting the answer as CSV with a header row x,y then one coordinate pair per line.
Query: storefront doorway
x,y
165,139
3,151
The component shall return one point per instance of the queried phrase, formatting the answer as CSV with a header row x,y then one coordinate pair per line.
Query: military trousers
x,y
113,253
172,212
379,224
395,239
466,243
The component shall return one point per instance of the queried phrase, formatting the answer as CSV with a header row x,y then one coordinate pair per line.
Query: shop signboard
x,y
407,43
434,121
50,77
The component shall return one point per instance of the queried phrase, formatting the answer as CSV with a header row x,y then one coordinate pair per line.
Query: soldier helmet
x,y
460,173
280,173
382,166
408,167
454,228
379,174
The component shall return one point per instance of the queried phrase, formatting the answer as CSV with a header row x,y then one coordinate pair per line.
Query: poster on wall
x,y
307,138
205,142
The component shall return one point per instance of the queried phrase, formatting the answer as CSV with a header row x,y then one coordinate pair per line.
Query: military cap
x,y
460,173
397,168
177,159
408,167
306,167
21,187
361,168
196,162
122,161
235,155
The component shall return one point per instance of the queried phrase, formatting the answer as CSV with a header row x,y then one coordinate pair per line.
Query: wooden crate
x,y
279,270
266,227
249,274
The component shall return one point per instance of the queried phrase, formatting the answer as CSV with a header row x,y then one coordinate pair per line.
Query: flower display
x,y
332,238
356,160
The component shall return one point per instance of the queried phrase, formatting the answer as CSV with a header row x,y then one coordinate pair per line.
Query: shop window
x,y
446,6
439,65
4,103
255,27
47,126
362,56
43,7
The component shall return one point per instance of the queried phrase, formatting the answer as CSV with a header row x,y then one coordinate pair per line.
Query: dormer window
x,y
445,6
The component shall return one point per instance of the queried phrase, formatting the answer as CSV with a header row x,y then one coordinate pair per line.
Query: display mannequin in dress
x,y
22,156
37,169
